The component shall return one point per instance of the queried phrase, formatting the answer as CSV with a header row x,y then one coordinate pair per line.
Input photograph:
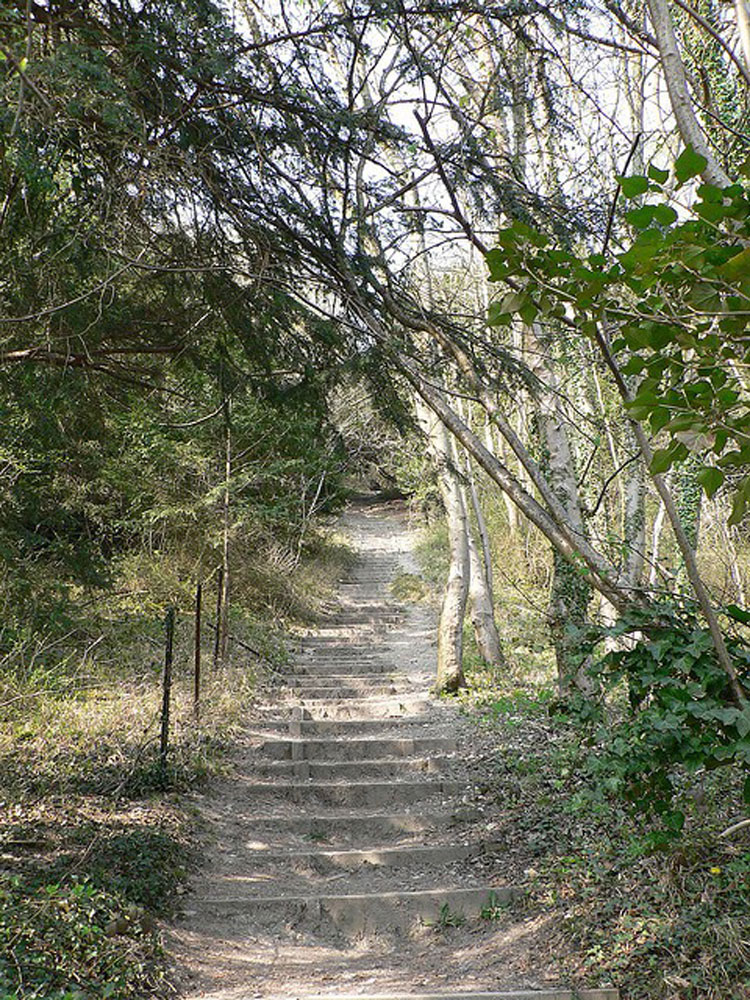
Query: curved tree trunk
x,y
679,95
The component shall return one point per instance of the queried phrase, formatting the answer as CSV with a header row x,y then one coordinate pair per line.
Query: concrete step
x,y
346,769
354,795
344,829
364,682
346,643
325,862
360,913
320,709
364,616
287,748
333,707
398,727
605,993
331,666
365,690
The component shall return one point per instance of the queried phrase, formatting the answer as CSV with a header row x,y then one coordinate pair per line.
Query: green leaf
x,y
642,217
710,192
710,211
665,215
738,266
22,64
710,479
658,418
662,460
739,614
497,262
660,176
689,164
632,187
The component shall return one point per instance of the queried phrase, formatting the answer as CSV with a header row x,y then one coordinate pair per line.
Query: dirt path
x,y
344,858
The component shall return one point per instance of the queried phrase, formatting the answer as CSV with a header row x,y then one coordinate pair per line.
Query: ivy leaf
x,y
689,164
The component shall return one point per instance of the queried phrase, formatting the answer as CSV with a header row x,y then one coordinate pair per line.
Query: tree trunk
x,y
450,675
602,574
481,611
679,96
571,592
742,10
633,515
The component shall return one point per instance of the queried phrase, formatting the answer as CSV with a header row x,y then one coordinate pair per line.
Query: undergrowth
x,y
667,922
662,917
95,844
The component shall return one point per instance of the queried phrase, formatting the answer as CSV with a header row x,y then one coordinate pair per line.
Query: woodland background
x,y
490,257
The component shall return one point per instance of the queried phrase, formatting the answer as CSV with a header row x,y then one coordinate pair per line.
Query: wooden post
x,y
219,622
167,687
197,671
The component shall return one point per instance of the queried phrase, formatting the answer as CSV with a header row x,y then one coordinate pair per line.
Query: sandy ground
x,y
257,924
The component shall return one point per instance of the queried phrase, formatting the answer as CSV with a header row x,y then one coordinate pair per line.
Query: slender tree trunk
x,y
481,611
450,675
511,511
572,547
742,10
679,95
571,591
633,515
484,536
656,532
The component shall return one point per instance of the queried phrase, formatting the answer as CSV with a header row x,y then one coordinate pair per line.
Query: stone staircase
x,y
338,869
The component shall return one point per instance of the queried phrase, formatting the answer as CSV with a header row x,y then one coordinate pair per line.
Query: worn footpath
x,y
343,857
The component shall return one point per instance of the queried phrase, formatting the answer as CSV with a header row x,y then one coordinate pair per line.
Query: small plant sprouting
x,y
494,908
449,918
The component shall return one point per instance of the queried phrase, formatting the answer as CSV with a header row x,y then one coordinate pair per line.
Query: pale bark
x,y
679,95
223,623
511,510
481,611
450,675
571,592
656,533
633,516
742,11
484,536
572,547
